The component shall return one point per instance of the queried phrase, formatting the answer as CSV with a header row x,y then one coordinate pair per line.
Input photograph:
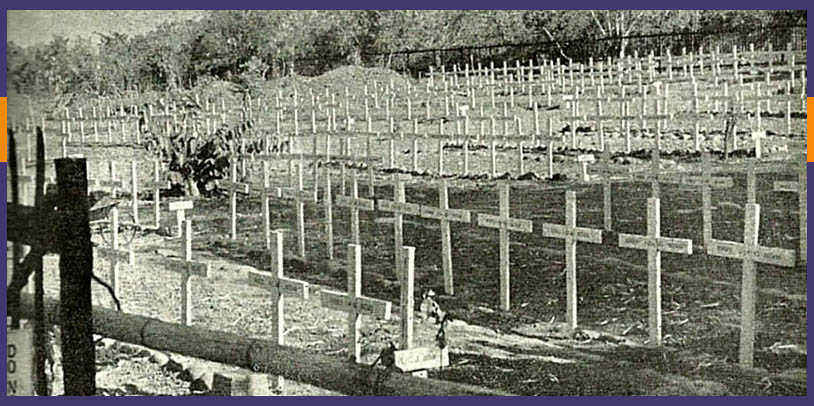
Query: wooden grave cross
x,y
266,193
279,286
354,203
188,268
234,187
180,208
300,196
571,234
751,253
801,188
505,224
655,244
156,185
445,215
399,207
354,303
408,358
114,254
707,182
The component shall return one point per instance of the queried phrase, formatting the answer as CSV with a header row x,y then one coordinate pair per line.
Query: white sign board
x,y
20,362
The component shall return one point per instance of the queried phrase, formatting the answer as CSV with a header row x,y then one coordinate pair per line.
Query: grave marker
x,y
300,196
571,234
180,208
654,244
505,224
354,203
234,187
187,268
113,254
354,303
445,215
399,207
750,252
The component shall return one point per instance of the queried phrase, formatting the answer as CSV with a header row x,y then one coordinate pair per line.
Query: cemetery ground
x,y
522,351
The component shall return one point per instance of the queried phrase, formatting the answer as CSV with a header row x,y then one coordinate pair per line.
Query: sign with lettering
x,y
417,359
491,221
399,207
20,361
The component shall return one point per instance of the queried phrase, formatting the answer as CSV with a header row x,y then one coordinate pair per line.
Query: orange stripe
x,y
809,146
4,120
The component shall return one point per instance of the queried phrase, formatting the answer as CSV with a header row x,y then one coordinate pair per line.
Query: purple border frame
x,y
369,4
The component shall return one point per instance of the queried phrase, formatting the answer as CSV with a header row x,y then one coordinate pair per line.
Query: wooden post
x,y
407,299
187,268
654,244
329,219
571,234
445,215
75,272
354,303
134,190
505,224
113,254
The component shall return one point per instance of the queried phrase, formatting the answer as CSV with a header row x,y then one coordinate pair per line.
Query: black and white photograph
x,y
406,203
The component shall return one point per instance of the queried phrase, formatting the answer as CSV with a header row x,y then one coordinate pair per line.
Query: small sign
x,y
399,207
20,361
181,205
418,359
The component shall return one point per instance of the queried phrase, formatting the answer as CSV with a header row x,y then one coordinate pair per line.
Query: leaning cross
x,y
750,252
505,224
354,203
655,244
445,215
188,268
571,234
354,303
234,187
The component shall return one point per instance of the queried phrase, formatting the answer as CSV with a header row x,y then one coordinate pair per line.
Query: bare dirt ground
x,y
522,351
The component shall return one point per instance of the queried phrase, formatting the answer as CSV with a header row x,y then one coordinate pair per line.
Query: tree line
x,y
239,45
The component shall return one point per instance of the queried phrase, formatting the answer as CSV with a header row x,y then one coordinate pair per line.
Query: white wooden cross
x,y
750,252
801,188
445,215
279,286
707,182
187,268
354,203
399,207
655,244
114,254
505,224
266,193
300,196
180,208
234,187
156,185
354,303
571,234
408,357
